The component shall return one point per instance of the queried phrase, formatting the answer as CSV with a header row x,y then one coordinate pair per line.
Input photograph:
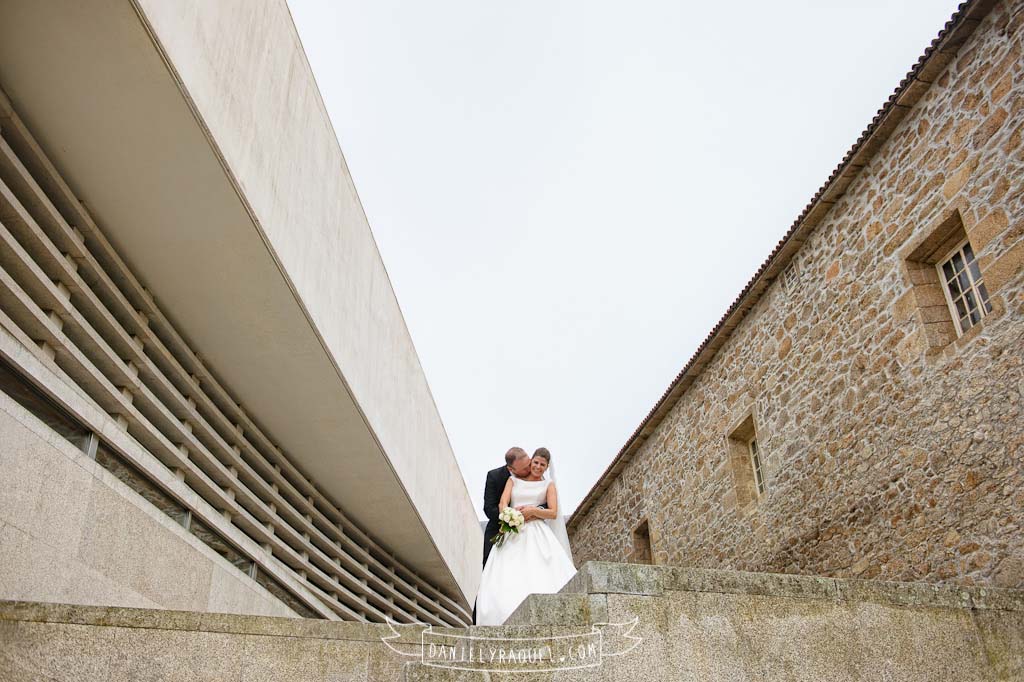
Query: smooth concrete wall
x,y
696,626
72,532
244,70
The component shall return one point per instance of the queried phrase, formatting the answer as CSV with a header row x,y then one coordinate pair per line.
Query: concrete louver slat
x,y
24,313
198,481
14,129
32,303
169,396
246,506
81,334
109,399
43,207
221,403
147,461
28,316
30,248
23,338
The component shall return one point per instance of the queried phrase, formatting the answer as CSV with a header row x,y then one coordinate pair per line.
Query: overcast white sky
x,y
569,195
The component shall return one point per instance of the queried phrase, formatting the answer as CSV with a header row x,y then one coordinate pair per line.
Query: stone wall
x,y
692,625
889,451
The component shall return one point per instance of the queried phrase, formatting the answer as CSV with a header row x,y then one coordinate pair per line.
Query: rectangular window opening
x,y
964,288
139,482
746,461
947,287
22,391
642,551
275,588
791,278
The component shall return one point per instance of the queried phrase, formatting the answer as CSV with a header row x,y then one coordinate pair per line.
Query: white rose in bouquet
x,y
510,521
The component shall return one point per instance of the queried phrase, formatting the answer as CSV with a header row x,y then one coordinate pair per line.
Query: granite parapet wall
x,y
693,625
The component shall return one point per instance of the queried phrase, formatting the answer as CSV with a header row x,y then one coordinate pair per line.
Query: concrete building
x,y
857,412
210,401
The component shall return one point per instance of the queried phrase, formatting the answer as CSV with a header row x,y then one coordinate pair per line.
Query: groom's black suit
x,y
493,488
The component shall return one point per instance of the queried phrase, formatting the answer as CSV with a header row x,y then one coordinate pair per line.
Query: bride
x,y
533,561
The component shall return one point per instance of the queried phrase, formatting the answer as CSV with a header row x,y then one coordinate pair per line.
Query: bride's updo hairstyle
x,y
543,452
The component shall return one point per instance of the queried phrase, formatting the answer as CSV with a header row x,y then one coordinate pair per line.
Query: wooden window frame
x,y
976,287
755,464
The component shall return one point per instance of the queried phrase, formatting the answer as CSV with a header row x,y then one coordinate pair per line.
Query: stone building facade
x,y
889,444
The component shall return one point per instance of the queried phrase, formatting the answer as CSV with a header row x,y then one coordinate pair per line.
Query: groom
x,y
517,463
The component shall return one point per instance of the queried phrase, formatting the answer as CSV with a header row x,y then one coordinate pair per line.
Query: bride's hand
x,y
528,512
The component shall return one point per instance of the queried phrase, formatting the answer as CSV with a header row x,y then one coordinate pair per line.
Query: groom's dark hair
x,y
513,454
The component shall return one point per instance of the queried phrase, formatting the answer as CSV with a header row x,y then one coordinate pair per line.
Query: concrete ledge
x,y
689,625
189,621
598,577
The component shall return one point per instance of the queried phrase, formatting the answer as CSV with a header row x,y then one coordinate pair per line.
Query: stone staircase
x,y
611,622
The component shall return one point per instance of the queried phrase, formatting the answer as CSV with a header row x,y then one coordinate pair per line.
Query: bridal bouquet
x,y
511,521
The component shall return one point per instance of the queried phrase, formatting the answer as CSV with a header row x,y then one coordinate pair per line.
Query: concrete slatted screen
x,y
70,299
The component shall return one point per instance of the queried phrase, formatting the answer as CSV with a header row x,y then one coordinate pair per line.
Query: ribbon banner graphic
x,y
515,654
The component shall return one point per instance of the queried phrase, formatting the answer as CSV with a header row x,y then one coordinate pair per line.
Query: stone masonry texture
x,y
891,449
690,625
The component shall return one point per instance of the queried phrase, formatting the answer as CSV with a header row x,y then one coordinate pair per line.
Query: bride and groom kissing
x,y
537,559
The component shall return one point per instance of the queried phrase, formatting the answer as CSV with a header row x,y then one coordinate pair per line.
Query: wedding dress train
x,y
530,562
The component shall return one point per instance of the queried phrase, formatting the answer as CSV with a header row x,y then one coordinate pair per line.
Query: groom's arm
x,y
527,510
491,498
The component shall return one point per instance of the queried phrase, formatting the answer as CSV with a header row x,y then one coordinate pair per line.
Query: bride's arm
x,y
506,495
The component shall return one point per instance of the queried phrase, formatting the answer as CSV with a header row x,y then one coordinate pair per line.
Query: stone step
x,y
702,624
688,625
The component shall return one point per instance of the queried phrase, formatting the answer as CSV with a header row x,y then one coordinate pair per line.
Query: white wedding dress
x,y
530,562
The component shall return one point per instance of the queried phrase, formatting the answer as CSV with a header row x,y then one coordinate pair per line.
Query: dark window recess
x,y
247,566
745,457
138,482
275,588
23,392
642,553
218,544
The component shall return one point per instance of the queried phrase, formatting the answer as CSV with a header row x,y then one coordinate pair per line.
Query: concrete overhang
x,y
196,136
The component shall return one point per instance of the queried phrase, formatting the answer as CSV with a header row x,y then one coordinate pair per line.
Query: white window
x,y
965,292
791,278
755,462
